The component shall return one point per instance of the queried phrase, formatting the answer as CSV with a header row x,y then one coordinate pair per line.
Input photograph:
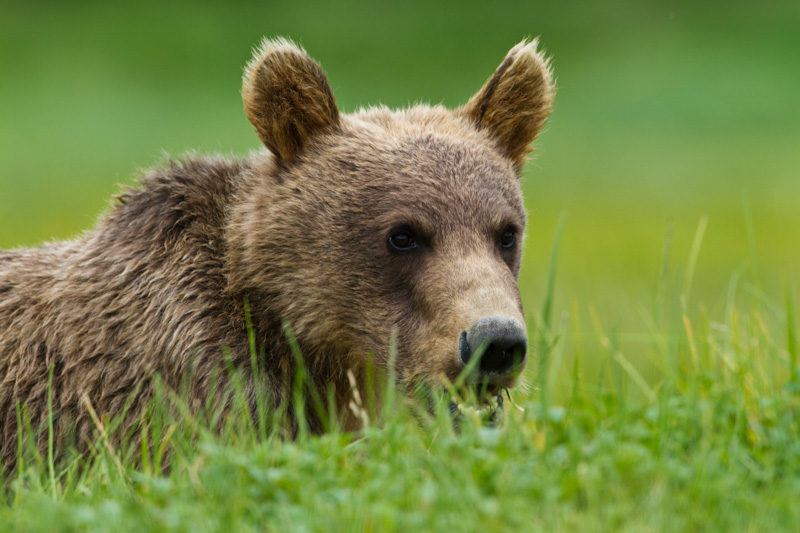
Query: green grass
x,y
664,392
708,441
711,445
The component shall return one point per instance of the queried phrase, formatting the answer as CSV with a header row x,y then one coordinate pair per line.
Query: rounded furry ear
x,y
515,102
287,98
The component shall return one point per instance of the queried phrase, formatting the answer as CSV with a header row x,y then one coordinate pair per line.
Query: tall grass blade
x,y
577,339
691,264
750,228
791,337
543,341
50,434
663,275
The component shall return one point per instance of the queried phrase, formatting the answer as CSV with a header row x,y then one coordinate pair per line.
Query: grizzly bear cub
x,y
359,231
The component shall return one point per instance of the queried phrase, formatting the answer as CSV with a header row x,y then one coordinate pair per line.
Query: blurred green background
x,y
668,113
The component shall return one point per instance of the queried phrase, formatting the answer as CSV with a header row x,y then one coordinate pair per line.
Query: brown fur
x,y
301,233
515,102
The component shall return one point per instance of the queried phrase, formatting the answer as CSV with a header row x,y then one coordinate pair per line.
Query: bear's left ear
x,y
287,98
515,102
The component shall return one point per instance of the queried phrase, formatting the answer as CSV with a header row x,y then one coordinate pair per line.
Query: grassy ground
x,y
664,395
714,447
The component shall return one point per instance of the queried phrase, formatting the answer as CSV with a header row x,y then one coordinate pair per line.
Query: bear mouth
x,y
489,410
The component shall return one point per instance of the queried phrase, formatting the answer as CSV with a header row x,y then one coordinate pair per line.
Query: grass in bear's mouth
x,y
487,409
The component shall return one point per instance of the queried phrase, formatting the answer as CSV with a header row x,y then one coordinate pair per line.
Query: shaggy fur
x,y
300,232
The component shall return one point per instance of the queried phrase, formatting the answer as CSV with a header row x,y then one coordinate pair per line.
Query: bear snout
x,y
500,342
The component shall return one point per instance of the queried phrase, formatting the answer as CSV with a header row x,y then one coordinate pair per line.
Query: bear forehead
x,y
422,124
422,148
393,173
423,163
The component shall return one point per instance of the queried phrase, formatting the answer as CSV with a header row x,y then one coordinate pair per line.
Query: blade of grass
x,y
751,236
389,396
692,344
691,264
104,436
663,276
50,434
791,336
543,343
576,367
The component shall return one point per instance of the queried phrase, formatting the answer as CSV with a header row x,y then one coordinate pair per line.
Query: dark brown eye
x,y
508,238
402,240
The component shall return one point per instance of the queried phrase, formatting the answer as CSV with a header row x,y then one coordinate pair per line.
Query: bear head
x,y
383,231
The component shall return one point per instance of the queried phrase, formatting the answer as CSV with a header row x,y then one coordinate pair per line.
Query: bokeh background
x,y
673,119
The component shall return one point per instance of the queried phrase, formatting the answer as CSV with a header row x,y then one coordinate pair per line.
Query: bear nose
x,y
501,341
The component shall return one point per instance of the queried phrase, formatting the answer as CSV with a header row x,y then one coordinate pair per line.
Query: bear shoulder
x,y
190,195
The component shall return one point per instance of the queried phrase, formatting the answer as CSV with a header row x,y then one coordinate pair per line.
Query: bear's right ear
x,y
515,102
287,98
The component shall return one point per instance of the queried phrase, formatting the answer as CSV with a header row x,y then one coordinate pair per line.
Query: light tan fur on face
x,y
301,233
462,297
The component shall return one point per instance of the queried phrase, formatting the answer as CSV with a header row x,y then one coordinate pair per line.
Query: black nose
x,y
500,342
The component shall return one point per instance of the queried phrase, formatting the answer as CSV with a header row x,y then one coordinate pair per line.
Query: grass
x,y
711,445
664,392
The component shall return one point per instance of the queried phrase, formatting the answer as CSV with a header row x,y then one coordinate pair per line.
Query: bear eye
x,y
508,238
402,240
